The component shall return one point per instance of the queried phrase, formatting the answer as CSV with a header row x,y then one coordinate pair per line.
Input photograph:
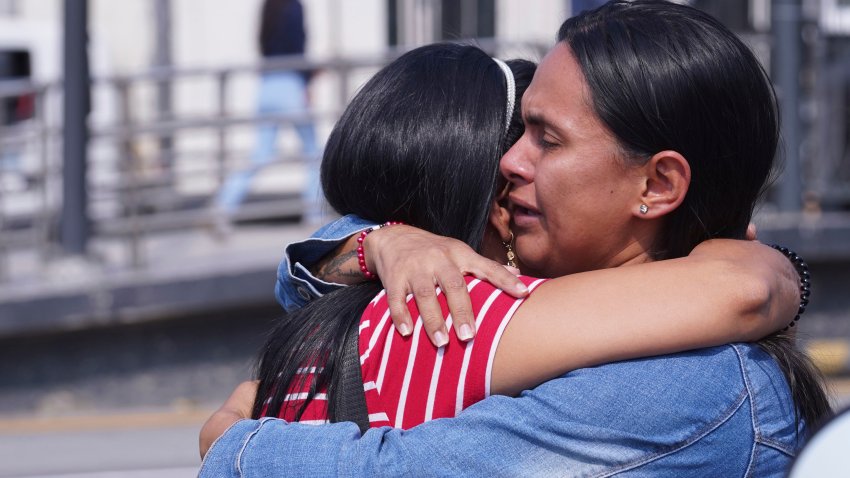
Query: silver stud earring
x,y
644,209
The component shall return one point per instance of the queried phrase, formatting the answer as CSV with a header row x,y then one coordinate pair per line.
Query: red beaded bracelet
x,y
361,256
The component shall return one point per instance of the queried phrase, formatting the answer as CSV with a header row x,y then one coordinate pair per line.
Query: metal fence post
x,y
221,155
162,59
75,98
3,251
787,18
45,216
130,189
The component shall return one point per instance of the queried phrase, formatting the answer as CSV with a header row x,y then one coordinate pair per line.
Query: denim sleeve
x,y
496,437
641,418
295,284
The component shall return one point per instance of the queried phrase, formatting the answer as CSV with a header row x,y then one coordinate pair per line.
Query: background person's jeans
x,y
280,93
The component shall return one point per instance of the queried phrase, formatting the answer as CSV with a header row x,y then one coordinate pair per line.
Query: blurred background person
x,y
281,92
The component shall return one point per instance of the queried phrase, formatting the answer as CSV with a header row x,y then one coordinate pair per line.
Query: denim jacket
x,y
723,411
717,412
295,284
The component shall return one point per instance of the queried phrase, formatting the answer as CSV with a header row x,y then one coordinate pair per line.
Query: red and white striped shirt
x,y
407,380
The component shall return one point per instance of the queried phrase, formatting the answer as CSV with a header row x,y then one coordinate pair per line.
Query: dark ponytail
x,y
310,338
420,143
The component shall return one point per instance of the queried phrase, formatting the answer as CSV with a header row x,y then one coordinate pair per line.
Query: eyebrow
x,y
534,119
537,119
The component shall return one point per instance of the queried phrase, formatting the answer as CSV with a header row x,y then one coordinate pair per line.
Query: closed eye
x,y
546,144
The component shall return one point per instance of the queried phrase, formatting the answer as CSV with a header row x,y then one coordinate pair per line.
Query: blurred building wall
x,y
215,33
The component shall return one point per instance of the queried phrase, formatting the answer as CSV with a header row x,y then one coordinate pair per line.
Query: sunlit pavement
x,y
144,444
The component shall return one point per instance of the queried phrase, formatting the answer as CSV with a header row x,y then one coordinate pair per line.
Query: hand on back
x,y
412,261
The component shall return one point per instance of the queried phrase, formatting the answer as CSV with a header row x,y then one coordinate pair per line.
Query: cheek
x,y
557,199
534,249
550,190
534,254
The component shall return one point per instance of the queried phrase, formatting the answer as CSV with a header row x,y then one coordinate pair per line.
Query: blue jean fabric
x,y
282,92
295,285
724,411
718,412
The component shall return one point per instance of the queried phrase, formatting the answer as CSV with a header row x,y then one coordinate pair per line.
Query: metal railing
x,y
135,189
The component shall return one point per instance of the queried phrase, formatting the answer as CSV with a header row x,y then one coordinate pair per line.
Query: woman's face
x,y
574,199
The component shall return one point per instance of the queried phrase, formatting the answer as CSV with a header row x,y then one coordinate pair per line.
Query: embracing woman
x,y
596,182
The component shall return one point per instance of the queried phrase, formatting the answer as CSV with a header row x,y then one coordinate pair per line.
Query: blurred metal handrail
x,y
302,62
139,198
169,126
134,187
19,87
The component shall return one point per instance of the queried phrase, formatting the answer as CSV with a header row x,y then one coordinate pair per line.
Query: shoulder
x,y
708,379
685,414
703,406
712,379
485,297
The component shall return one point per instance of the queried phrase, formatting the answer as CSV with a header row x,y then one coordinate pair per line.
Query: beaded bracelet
x,y
361,255
805,285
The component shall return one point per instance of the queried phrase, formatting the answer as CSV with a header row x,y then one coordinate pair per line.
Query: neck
x,y
638,247
633,252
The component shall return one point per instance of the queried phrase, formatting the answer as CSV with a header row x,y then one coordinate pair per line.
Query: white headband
x,y
509,78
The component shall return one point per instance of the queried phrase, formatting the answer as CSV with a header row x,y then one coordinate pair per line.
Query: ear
x,y
667,179
500,219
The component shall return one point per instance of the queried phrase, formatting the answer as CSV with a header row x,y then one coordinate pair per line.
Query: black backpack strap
x,y
349,399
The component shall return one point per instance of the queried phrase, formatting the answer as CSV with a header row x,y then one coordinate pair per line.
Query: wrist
x,y
367,266
804,285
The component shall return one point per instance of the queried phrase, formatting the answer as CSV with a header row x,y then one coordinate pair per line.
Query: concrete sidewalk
x,y
128,445
187,272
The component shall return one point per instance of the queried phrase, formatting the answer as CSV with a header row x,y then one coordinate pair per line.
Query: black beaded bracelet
x,y
805,284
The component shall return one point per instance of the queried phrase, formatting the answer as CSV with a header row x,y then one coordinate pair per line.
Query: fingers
x,y
430,311
454,287
399,313
425,295
410,261
498,275
752,232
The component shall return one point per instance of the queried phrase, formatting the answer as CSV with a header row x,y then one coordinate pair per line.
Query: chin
x,y
534,265
534,256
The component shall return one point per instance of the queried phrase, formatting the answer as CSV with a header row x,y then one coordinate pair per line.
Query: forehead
x,y
558,90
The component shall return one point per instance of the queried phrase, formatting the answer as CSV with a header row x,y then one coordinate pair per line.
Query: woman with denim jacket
x,y
734,406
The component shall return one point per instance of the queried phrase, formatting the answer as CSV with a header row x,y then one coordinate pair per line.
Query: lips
x,y
524,213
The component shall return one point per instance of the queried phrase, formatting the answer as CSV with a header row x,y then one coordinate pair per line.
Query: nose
x,y
515,165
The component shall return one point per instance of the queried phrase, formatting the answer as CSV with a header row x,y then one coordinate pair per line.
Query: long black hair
x,y
667,76
419,143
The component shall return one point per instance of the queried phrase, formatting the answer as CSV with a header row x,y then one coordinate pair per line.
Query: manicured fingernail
x,y
404,329
465,332
440,338
522,288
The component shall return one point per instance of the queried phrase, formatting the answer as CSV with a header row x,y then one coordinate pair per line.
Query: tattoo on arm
x,y
338,267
